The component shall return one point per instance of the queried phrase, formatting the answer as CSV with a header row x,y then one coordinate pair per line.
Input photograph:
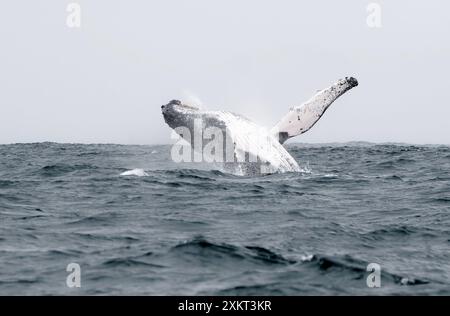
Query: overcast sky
x,y
105,82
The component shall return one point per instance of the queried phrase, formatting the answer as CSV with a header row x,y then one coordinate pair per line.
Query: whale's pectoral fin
x,y
301,118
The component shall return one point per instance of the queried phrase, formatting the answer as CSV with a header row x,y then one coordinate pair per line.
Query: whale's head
x,y
177,114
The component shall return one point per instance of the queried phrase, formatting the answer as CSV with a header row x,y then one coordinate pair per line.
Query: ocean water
x,y
138,223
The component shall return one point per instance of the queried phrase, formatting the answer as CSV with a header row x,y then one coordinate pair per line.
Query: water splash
x,y
189,98
135,172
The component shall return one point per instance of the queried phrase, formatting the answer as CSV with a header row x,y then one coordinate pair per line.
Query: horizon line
x,y
355,142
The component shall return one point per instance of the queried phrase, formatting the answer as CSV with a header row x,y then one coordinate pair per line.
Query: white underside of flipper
x,y
301,118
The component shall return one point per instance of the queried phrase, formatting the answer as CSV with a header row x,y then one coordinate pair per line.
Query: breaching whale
x,y
242,146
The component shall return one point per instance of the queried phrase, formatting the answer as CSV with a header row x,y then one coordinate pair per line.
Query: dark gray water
x,y
181,230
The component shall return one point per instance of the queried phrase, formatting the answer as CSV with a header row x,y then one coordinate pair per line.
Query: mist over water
x,y
138,223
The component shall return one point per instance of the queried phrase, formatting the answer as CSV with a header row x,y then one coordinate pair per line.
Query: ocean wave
x,y
7,183
62,169
128,262
219,251
97,219
399,232
358,268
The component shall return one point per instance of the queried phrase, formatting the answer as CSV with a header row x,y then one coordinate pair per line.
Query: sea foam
x,y
135,172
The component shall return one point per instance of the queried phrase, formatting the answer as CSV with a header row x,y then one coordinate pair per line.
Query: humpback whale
x,y
242,146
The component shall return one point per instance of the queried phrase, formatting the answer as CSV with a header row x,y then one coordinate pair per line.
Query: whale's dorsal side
x,y
301,118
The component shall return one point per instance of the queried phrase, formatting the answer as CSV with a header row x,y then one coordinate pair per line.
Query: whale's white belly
x,y
252,140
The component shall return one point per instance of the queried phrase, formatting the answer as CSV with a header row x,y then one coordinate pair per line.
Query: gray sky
x,y
106,81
